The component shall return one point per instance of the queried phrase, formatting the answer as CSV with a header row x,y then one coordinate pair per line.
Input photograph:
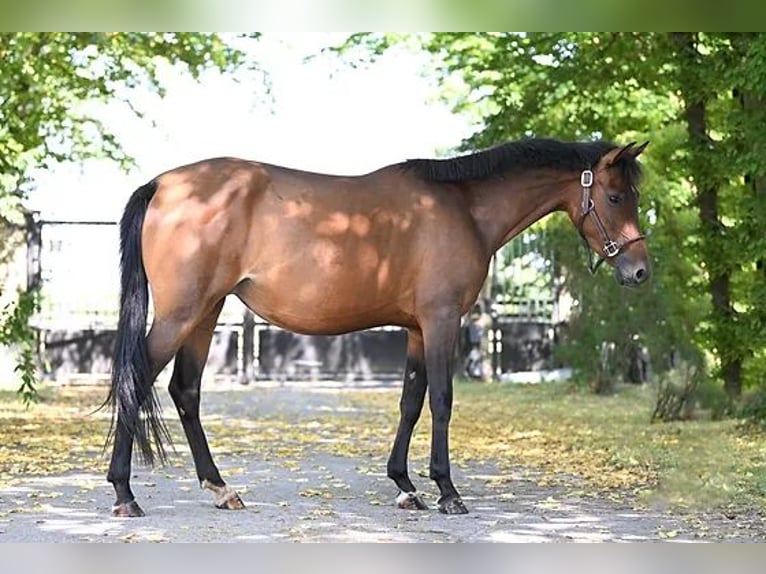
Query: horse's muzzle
x,y
632,273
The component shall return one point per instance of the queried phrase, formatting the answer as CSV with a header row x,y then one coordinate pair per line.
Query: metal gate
x,y
76,266
524,302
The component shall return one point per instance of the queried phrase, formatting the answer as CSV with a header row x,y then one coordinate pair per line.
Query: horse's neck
x,y
504,207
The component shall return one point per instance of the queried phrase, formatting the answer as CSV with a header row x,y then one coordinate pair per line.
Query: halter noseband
x,y
588,207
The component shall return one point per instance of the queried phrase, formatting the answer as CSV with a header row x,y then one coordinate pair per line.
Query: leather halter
x,y
588,207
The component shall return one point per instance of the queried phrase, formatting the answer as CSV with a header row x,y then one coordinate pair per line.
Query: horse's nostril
x,y
640,274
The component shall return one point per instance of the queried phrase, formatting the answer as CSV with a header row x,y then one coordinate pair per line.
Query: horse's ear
x,y
625,151
614,155
637,151
629,150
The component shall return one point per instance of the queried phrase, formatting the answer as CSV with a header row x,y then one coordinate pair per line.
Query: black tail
x,y
133,403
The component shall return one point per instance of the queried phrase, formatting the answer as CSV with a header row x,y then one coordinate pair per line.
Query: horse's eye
x,y
615,199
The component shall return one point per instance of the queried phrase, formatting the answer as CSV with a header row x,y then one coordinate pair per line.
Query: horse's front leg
x,y
410,407
440,335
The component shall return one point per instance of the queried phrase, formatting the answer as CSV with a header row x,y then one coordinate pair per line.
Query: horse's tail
x,y
134,404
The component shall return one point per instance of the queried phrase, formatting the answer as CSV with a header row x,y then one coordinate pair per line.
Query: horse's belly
x,y
315,304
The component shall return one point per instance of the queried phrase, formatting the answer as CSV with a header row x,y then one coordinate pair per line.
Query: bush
x,y
676,394
753,407
712,397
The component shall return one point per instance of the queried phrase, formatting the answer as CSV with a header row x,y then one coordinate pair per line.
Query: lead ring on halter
x,y
588,207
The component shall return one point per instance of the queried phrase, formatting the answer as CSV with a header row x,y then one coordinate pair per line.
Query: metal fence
x,y
76,266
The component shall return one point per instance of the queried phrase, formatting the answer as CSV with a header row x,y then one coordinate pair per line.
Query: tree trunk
x,y
755,104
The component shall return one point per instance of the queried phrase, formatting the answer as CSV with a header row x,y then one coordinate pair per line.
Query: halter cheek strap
x,y
588,207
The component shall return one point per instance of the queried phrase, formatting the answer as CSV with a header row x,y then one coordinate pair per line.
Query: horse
x,y
407,245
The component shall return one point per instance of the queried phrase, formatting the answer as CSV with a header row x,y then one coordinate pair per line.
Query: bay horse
x,y
408,245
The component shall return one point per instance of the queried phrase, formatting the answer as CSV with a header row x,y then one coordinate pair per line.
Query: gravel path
x,y
321,498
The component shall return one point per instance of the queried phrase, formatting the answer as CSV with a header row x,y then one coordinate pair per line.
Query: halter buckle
x,y
586,178
611,249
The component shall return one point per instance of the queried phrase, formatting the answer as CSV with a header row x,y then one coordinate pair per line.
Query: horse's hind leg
x,y
162,342
185,390
410,407
119,473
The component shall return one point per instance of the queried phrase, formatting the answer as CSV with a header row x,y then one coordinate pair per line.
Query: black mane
x,y
516,156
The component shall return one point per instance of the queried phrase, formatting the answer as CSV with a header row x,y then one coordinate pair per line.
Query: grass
x,y
610,443
561,432
603,444
59,434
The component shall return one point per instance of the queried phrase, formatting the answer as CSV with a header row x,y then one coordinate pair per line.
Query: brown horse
x,y
408,245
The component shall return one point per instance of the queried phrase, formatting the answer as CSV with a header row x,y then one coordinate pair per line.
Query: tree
x,y
699,98
45,80
720,78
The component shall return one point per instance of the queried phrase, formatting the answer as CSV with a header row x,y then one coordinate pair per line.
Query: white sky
x,y
323,116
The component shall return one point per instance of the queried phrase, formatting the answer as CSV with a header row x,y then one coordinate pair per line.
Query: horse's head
x,y
608,215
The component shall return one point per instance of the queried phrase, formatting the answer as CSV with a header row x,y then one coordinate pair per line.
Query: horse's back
x,y
308,251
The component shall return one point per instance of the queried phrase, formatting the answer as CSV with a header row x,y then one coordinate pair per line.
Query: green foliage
x,y
15,329
48,79
700,98
48,84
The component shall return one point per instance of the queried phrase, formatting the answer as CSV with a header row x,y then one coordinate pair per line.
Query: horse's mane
x,y
521,155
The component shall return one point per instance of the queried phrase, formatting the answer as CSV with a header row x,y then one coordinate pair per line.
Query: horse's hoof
x,y
410,501
224,496
127,510
233,502
452,506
